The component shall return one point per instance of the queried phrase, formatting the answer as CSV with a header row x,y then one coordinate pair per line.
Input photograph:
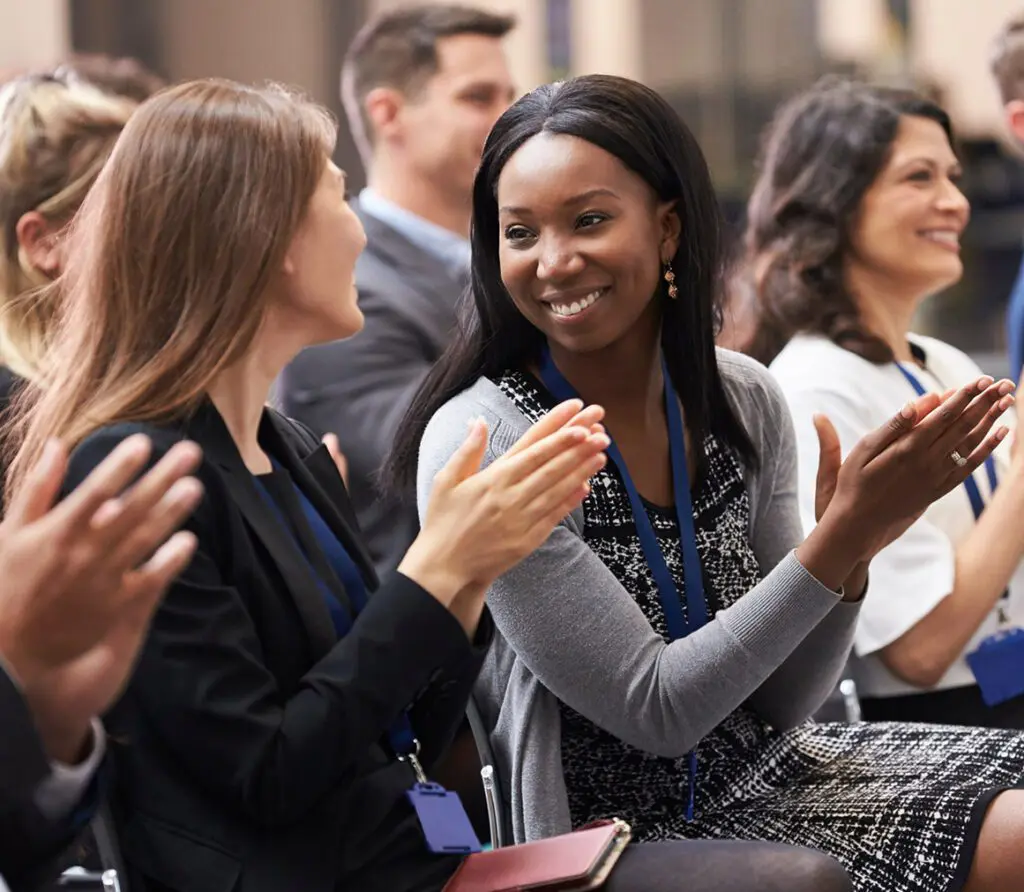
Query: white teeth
x,y
576,307
943,236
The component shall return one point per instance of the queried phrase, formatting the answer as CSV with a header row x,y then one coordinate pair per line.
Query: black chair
x,y
112,876
497,816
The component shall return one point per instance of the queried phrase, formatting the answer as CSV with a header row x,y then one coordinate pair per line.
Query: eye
x,y
920,176
591,219
479,98
517,233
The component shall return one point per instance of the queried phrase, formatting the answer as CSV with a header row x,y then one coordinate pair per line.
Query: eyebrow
x,y
931,162
569,202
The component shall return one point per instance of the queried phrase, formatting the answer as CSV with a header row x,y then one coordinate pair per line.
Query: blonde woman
x,y
56,133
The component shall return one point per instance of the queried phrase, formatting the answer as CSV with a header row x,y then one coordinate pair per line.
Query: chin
x,y
341,328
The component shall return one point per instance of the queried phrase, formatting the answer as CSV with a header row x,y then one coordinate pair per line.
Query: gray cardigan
x,y
568,630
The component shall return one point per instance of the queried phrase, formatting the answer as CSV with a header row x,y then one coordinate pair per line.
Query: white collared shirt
x,y
913,574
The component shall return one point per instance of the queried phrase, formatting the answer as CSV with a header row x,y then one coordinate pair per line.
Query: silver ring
x,y
958,458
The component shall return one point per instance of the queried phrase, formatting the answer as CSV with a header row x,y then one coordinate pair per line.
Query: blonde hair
x,y
171,257
55,135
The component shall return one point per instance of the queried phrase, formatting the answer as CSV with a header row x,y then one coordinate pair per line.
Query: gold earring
x,y
670,279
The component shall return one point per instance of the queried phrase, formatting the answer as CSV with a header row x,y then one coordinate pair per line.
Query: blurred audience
x,y
846,238
1007,63
117,76
422,87
80,583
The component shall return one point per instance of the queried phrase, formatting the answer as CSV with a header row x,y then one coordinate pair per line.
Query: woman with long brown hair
x,y
285,703
854,222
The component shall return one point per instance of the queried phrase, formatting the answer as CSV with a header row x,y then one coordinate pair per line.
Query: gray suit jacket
x,y
359,388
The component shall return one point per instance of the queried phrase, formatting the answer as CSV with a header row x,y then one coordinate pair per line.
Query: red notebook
x,y
573,862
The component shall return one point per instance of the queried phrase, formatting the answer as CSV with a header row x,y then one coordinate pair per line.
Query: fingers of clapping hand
x,y
977,437
466,460
565,476
974,460
41,487
571,413
148,583
960,415
106,482
555,419
157,525
513,468
143,507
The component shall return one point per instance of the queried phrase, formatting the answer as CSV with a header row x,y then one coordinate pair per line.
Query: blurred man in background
x,y
422,87
1008,70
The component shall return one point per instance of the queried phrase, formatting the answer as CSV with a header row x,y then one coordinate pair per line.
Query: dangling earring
x,y
670,279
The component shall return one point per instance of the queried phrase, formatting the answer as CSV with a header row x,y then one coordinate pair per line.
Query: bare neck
x,y
886,309
625,378
240,393
430,200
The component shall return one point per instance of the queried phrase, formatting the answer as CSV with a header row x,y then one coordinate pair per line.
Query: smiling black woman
x,y
658,656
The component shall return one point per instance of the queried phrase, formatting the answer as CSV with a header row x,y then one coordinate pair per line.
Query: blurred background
x,y
725,64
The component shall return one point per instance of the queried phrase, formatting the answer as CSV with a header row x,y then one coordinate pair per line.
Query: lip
x,y
943,238
572,296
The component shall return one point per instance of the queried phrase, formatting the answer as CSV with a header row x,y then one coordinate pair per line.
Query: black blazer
x,y
360,388
31,845
250,751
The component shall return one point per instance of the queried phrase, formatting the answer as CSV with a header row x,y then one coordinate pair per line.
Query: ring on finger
x,y
958,459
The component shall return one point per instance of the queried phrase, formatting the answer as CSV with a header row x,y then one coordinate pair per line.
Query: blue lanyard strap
x,y
970,484
676,623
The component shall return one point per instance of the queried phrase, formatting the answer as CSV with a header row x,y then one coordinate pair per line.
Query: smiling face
x,y
909,222
582,241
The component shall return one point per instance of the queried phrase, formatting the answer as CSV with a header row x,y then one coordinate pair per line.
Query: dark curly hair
x,y
821,154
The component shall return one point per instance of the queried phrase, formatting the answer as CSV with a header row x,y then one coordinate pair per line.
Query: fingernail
x,y
907,411
1005,388
985,381
1002,432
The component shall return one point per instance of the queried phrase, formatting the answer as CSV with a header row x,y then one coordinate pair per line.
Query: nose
x,y
558,259
953,200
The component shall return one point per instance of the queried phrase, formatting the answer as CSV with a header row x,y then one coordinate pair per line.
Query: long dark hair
x,y
638,127
821,154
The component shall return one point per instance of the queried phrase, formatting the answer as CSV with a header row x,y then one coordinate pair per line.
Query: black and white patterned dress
x,y
899,805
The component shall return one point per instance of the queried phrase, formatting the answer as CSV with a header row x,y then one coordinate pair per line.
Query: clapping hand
x,y
80,581
893,474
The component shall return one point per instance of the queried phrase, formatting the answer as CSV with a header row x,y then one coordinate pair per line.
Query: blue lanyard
x,y
401,737
973,493
678,625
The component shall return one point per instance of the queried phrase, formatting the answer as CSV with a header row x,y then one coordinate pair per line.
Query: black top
x,y
251,748
30,843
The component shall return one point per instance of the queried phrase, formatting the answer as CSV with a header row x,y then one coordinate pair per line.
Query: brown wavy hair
x,y
822,152
171,256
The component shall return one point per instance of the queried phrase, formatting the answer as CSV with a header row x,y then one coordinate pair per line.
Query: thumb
x,y
41,486
830,459
467,458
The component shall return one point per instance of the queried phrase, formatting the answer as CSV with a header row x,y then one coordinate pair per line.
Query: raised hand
x,y
478,524
893,474
79,582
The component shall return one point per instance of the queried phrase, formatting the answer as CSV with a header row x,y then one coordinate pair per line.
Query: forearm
x,y
804,681
984,562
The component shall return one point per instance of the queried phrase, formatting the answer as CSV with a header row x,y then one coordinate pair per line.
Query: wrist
x,y
437,573
830,553
856,584
65,735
